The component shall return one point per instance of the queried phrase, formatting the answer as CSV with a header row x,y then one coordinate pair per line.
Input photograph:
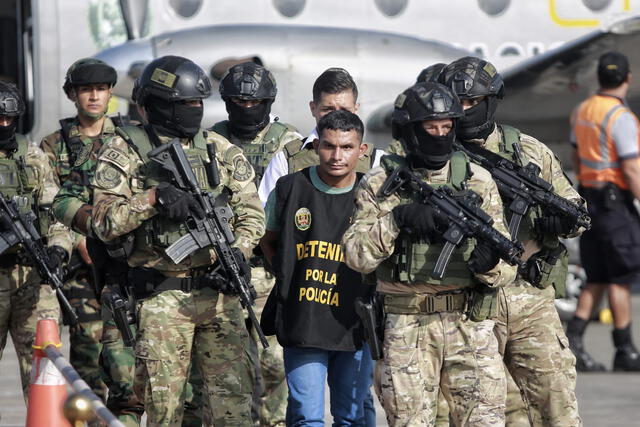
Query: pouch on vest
x,y
548,267
484,303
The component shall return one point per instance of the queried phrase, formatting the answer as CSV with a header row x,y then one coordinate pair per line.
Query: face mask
x,y
175,119
433,151
246,123
478,122
8,137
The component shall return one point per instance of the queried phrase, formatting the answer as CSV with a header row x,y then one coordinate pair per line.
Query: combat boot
x,y
584,361
627,357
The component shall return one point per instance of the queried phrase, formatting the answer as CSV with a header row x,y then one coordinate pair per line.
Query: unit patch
x,y
84,154
163,77
241,169
303,219
108,177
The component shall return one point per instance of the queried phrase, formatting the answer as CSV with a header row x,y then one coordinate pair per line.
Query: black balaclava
x,y
478,121
246,123
433,151
175,119
8,140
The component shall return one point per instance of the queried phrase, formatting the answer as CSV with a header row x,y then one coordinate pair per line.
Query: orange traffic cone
x,y
48,389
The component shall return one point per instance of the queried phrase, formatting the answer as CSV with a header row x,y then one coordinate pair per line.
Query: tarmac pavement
x,y
606,399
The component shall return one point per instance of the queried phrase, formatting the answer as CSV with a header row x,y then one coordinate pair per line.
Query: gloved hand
x,y
556,225
57,257
418,218
244,265
176,204
483,258
221,283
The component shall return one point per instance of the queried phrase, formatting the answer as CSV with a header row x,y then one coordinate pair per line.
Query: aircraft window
x,y
289,8
392,7
186,8
493,7
596,5
510,51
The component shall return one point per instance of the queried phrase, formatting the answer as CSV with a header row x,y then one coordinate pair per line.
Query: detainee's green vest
x,y
413,260
299,157
159,231
259,153
20,182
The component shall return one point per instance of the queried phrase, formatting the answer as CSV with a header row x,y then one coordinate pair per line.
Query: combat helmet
x,y
172,78
11,102
472,77
88,71
422,101
432,73
248,81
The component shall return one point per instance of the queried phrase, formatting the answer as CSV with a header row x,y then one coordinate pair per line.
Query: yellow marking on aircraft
x,y
569,22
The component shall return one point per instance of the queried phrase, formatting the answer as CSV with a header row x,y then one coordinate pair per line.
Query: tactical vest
x,y
20,182
299,157
159,231
553,259
74,145
413,260
258,153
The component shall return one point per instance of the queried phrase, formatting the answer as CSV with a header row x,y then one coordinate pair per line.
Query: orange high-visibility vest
x,y
592,125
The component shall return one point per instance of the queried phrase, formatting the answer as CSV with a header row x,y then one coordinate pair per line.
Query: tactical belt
x,y
147,281
80,293
427,304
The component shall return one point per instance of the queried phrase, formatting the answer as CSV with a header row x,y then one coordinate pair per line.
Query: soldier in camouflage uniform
x,y
429,343
88,84
248,91
180,311
535,347
25,176
72,206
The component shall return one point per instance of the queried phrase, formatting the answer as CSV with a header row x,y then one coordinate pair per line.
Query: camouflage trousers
x,y
536,353
173,326
23,301
428,353
118,363
269,405
84,338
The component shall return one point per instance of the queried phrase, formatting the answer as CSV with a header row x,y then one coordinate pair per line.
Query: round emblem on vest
x,y
303,219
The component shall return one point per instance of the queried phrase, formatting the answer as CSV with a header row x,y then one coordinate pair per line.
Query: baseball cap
x,y
613,68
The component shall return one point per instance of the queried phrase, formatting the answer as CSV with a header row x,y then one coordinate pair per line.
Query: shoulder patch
x,y
242,170
107,176
115,156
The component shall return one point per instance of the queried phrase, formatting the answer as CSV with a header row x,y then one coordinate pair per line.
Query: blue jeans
x,y
348,374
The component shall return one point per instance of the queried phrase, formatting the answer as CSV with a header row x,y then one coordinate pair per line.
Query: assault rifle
x,y
524,187
462,214
20,229
211,231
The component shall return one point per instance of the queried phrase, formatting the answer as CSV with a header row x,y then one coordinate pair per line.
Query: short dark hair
x,y
613,69
332,81
342,120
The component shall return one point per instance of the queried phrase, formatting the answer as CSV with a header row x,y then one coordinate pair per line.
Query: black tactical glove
x,y
483,258
556,225
176,204
57,256
418,218
221,283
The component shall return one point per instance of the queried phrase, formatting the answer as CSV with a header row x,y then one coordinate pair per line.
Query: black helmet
x,y
88,71
248,81
431,74
11,103
172,78
472,77
426,101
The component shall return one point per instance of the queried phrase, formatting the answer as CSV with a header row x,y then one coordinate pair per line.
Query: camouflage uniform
x,y
85,337
425,353
532,340
172,323
72,206
24,298
270,395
